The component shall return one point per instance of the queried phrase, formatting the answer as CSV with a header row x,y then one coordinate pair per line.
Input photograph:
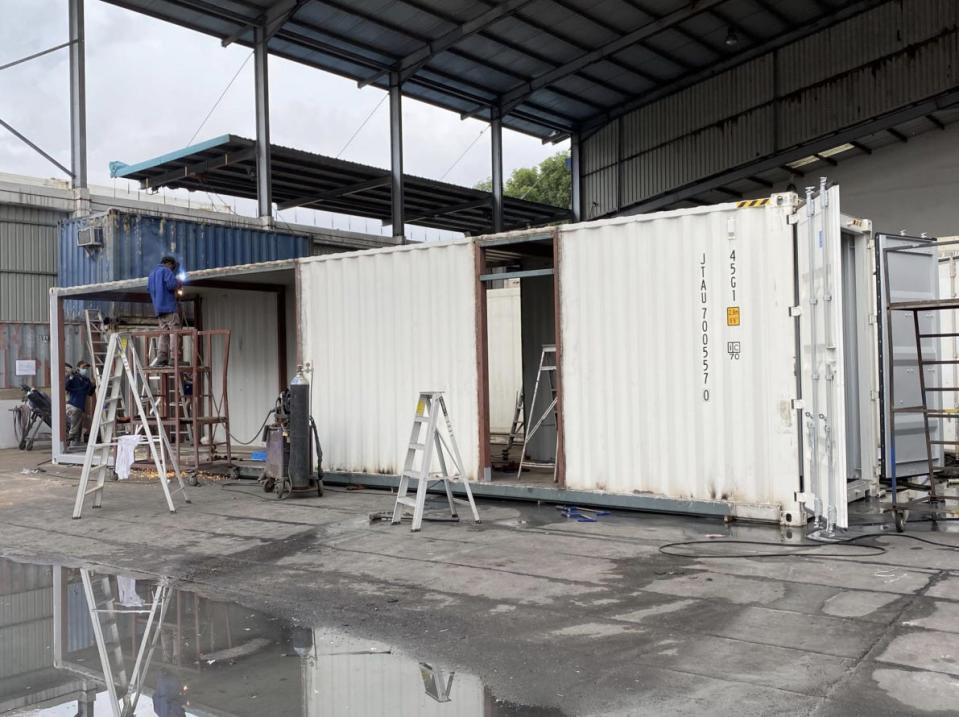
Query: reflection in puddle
x,y
77,642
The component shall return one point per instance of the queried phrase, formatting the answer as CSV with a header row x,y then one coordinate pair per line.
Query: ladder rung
x,y
944,443
93,490
417,446
942,388
421,419
938,336
411,474
407,501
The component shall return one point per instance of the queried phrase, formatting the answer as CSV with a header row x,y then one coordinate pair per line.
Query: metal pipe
x,y
35,55
396,157
261,75
78,96
496,145
576,200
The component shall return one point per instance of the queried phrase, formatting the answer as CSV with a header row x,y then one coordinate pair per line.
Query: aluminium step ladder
x,y
97,340
432,444
549,369
123,690
518,424
121,363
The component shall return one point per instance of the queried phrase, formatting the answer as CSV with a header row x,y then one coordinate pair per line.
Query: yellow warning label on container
x,y
732,316
751,203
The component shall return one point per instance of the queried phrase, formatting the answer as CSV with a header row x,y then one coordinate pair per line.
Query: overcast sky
x,y
150,84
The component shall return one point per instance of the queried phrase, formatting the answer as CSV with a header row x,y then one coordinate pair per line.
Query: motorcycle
x,y
31,415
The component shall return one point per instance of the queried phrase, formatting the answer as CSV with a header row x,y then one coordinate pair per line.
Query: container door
x,y
823,406
913,276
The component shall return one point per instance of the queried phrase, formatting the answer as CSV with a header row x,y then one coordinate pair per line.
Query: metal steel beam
x,y
35,55
782,159
412,62
261,76
452,209
897,134
775,12
335,193
198,168
78,97
521,274
861,147
761,182
36,148
396,157
496,147
575,177
936,121
515,96
272,20
673,86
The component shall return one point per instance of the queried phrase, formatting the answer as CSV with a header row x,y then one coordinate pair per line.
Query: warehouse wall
x,y
28,261
874,63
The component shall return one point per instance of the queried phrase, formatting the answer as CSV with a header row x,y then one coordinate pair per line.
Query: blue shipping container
x,y
116,245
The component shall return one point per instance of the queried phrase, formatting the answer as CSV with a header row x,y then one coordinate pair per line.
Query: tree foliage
x,y
547,183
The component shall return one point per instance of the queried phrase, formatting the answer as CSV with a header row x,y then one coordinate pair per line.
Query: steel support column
x,y
575,173
78,96
261,74
396,157
496,144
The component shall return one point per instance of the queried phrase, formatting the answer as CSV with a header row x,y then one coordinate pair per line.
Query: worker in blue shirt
x,y
78,386
162,285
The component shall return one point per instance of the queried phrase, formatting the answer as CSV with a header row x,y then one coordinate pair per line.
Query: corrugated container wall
x,y
380,327
132,245
28,261
695,397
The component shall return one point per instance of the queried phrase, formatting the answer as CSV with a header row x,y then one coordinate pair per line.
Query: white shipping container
x,y
678,355
379,327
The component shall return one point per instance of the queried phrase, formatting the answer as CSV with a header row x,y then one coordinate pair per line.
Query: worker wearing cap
x,y
162,285
78,386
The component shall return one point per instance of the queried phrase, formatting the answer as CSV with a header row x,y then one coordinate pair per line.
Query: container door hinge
x,y
804,498
873,395
794,218
795,311
797,404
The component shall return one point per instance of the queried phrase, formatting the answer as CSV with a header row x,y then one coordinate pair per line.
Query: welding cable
x,y
804,549
259,431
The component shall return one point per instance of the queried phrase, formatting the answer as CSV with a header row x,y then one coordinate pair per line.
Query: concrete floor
x,y
586,618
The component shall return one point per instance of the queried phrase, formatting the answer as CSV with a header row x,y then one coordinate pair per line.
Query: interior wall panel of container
x,y
505,359
379,328
28,261
661,393
878,61
253,370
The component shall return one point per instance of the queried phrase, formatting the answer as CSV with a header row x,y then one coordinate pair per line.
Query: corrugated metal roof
x,y
555,65
227,165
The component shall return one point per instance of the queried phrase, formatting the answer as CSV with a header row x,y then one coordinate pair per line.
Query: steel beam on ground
x,y
396,156
78,97
496,146
261,77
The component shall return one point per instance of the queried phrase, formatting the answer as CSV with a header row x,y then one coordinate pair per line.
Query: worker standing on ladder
x,y
78,387
162,285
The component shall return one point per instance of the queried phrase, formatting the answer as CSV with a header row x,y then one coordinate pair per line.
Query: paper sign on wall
x,y
26,367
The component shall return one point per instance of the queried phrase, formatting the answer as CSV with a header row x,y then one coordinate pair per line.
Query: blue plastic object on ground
x,y
258,456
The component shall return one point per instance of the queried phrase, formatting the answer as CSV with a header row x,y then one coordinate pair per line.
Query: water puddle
x,y
79,642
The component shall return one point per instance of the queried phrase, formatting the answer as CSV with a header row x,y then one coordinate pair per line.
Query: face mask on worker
x,y
84,372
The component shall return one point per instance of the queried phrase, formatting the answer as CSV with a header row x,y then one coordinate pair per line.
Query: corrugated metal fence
x,y
28,261
878,62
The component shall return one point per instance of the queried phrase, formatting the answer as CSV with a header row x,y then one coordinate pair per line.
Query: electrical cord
x,y
805,549
258,433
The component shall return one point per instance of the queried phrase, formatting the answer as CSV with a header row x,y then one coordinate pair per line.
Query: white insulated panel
x,y
253,370
380,327
663,392
505,358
